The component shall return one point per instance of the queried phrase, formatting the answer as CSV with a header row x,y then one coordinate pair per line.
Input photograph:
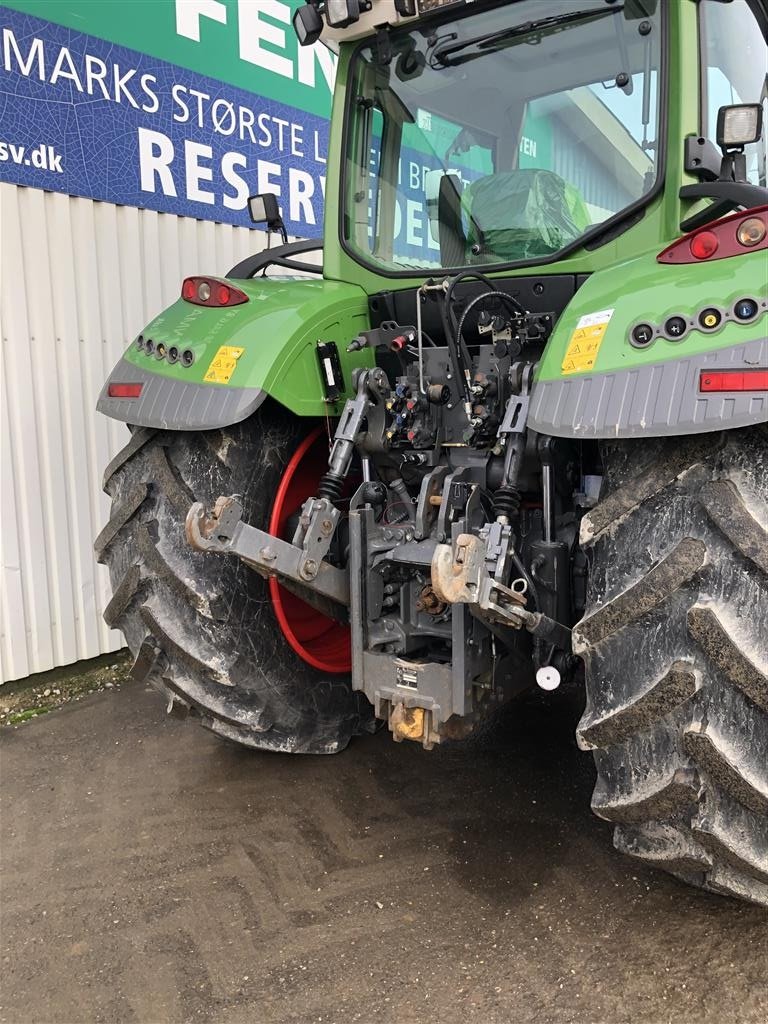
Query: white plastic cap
x,y
548,678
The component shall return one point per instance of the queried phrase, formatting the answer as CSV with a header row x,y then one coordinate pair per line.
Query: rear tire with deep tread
x,y
675,645
201,627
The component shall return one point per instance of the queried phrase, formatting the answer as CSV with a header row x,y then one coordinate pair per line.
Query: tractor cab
x,y
526,132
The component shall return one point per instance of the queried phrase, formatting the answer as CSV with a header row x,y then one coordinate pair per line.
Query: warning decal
x,y
223,365
585,342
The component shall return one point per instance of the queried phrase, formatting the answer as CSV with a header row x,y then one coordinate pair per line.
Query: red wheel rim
x,y
317,639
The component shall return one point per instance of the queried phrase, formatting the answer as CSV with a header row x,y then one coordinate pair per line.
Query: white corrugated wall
x,y
78,280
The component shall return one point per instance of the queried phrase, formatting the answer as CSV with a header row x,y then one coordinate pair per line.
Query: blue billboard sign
x,y
82,115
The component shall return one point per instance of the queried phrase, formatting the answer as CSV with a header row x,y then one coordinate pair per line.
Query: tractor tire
x,y
675,645
202,627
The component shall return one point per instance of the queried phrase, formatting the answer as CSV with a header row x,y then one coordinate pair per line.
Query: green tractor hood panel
x,y
203,367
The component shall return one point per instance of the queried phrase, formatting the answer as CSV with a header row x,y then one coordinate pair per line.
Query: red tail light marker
x,y
124,390
733,380
734,235
207,291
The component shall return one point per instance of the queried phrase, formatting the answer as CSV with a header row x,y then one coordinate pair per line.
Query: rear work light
x,y
124,390
207,291
732,236
733,380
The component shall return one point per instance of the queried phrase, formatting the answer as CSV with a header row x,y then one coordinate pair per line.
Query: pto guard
x,y
238,356
595,381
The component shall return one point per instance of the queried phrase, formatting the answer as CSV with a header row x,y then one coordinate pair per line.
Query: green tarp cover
x,y
523,213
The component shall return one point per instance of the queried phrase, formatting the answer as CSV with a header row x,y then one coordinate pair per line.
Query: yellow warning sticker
x,y
585,342
223,365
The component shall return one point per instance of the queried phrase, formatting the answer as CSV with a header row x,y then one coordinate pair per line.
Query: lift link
x,y
369,384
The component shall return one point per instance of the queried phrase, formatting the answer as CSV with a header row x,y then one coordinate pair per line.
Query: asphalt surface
x,y
151,873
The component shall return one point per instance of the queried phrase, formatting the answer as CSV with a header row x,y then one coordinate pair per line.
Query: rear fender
x,y
592,381
240,355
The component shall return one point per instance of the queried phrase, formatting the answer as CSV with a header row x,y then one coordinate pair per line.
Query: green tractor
x,y
512,433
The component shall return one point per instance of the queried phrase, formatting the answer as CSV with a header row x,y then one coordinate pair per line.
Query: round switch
x,y
745,309
675,327
709,319
642,335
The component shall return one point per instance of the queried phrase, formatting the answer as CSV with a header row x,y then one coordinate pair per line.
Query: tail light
x,y
124,390
207,291
733,380
732,236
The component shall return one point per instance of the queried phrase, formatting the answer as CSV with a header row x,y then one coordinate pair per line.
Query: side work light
x,y
739,125
341,13
307,24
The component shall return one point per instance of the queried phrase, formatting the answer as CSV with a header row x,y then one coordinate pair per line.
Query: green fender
x,y
593,381
240,355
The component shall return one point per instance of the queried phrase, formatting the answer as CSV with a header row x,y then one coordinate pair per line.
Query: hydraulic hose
x,y
460,357
496,294
503,296
517,562
453,350
467,275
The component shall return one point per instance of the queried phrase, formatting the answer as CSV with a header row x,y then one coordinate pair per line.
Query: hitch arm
x,y
223,532
301,565
460,576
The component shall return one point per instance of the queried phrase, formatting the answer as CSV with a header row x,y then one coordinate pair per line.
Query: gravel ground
x,y
151,873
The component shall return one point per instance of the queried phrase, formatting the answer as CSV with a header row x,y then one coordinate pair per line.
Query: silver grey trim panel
x,y
171,404
651,401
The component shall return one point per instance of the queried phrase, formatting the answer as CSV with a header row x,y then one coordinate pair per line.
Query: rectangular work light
x,y
340,13
307,24
739,125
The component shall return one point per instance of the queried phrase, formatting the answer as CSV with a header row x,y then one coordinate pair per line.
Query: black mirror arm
x,y
728,195
280,256
277,225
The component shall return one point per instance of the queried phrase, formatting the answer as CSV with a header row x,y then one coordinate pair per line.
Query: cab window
x,y
600,137
504,135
